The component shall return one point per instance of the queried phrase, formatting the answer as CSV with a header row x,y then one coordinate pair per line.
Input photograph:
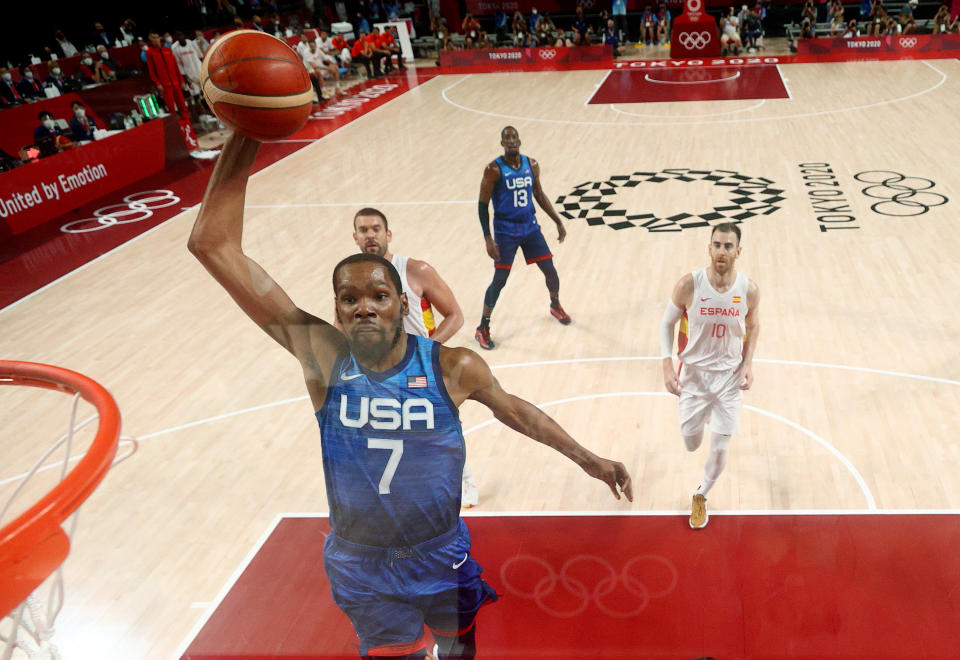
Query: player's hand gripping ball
x,y
256,85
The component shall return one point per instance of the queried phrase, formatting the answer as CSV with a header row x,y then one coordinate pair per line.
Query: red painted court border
x,y
39,257
753,584
691,84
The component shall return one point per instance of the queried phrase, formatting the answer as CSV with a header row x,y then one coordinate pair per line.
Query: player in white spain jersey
x,y
719,325
425,291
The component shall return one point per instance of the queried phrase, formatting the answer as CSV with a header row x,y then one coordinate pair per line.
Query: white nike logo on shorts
x,y
344,376
460,563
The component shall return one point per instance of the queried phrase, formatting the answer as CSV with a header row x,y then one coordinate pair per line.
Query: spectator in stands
x,y
578,38
63,47
362,52
611,37
754,30
201,43
165,74
806,29
864,10
941,20
94,71
362,25
730,42
889,27
852,30
48,137
663,24
9,95
878,18
619,11
545,31
484,41
29,87
532,20
470,29
500,24
257,24
837,21
188,58
648,27
320,65
81,125
128,32
388,42
518,26
580,23
55,78
808,12
99,36
907,24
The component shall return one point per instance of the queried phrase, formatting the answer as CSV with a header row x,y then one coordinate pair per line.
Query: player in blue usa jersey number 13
x,y
398,557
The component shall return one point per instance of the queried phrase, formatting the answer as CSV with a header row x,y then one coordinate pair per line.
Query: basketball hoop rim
x,y
67,496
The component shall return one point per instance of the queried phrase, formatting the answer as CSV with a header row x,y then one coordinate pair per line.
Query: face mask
x,y
55,71
29,74
7,77
87,61
104,56
48,124
144,48
80,112
169,40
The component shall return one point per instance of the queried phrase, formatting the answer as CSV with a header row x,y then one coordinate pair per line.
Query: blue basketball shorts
x,y
390,594
532,242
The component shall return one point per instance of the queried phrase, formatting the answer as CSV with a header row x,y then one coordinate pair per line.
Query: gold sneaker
x,y
698,512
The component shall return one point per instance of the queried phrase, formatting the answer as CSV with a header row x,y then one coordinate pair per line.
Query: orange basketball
x,y
256,84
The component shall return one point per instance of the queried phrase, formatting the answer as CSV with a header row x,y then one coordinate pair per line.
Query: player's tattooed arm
x,y
216,241
544,201
752,332
467,376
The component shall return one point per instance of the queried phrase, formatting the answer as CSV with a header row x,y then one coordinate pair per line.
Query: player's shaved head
x,y
506,129
362,257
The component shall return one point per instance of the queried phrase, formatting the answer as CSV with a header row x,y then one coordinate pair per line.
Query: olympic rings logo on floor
x,y
566,594
902,196
908,42
694,40
136,207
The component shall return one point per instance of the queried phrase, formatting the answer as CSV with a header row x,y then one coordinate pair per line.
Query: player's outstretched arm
x,y
491,173
216,240
440,296
467,376
680,301
752,332
544,201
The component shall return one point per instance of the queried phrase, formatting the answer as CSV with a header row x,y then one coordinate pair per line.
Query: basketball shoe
x,y
698,512
557,311
483,338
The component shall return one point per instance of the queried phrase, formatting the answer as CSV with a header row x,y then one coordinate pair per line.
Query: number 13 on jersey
x,y
520,199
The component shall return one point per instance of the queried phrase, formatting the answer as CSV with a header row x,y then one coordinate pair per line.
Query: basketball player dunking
x,y
398,557
718,336
425,290
513,181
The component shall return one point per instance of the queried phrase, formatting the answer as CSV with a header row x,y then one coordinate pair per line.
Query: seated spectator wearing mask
x,y
127,32
48,137
99,36
611,37
63,45
9,95
29,87
81,126
94,71
55,78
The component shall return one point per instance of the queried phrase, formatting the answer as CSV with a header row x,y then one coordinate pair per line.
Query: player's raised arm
x,y
544,201
491,173
441,297
467,376
752,332
216,241
679,302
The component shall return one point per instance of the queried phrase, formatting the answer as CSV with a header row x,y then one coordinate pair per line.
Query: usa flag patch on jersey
x,y
414,382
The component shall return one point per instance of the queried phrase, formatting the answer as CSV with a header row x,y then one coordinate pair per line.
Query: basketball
x,y
257,85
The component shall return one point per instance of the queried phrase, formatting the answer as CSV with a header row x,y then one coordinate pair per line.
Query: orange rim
x,y
31,530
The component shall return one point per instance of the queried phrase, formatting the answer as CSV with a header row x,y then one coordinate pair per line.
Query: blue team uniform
x,y
393,454
514,215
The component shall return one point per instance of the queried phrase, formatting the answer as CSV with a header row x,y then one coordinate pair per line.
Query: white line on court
x,y
356,204
777,117
647,77
614,107
783,79
868,496
596,88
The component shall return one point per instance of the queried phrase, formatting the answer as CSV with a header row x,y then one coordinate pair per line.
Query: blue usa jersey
x,y
393,450
513,194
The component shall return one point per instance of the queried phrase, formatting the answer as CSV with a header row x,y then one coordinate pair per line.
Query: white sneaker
x,y
469,494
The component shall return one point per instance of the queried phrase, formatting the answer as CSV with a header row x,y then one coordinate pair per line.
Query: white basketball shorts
x,y
712,397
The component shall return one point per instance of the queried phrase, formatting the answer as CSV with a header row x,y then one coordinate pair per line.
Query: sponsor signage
x,y
901,43
525,59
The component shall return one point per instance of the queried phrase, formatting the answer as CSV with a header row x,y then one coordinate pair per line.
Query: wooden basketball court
x,y
857,393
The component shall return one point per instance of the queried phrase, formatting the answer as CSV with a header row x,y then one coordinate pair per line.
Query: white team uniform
x,y
711,355
419,321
